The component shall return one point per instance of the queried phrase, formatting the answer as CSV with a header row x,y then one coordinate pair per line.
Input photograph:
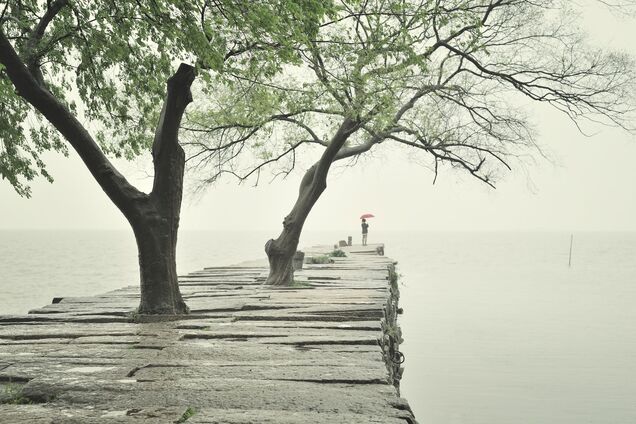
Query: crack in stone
x,y
337,380
239,337
7,378
135,370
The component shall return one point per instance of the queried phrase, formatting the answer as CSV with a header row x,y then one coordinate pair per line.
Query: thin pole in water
x,y
570,259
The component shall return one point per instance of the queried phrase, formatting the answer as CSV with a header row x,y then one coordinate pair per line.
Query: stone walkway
x,y
248,353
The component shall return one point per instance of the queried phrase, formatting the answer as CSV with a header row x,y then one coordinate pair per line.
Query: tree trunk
x,y
154,217
157,245
280,252
156,227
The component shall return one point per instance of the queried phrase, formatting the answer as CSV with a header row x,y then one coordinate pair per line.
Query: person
x,y
365,231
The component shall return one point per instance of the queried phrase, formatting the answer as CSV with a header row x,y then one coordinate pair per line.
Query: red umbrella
x,y
367,215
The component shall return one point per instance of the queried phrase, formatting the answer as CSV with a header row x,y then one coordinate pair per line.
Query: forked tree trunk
x,y
154,217
156,230
280,252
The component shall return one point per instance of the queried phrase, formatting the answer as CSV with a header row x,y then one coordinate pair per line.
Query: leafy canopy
x,y
108,61
450,78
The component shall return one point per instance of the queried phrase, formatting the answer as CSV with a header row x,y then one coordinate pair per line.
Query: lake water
x,y
498,329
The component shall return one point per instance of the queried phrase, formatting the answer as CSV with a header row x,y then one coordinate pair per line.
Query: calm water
x,y
498,329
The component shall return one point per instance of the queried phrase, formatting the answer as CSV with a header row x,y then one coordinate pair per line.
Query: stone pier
x,y
322,351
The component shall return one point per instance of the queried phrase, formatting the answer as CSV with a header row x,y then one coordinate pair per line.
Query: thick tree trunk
x,y
158,271
280,252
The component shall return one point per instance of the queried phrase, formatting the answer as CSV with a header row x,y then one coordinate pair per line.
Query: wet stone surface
x,y
247,353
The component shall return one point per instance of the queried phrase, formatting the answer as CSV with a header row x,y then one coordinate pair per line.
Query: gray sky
x,y
588,186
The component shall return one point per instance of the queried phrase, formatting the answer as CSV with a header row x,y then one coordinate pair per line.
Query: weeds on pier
x,y
324,259
189,413
338,253
300,284
393,277
12,395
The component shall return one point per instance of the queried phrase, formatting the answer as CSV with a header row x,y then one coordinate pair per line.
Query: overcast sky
x,y
588,185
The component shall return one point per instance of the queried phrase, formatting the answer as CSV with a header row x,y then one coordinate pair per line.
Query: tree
x,y
451,79
105,62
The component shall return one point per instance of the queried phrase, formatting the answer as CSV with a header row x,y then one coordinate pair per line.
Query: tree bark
x,y
280,252
156,226
153,217
156,243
